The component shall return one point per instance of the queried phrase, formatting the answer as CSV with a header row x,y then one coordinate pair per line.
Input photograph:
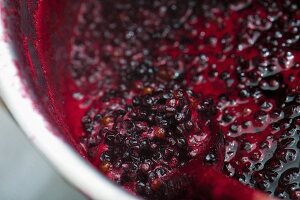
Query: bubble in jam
x,y
158,79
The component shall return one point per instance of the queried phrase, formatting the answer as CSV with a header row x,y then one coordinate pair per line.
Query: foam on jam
x,y
156,84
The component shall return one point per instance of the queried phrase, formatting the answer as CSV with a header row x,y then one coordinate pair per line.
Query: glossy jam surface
x,y
156,84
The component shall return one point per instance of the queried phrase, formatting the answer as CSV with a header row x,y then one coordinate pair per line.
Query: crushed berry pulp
x,y
156,84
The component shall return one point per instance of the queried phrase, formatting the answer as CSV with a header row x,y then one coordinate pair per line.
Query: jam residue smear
x,y
156,80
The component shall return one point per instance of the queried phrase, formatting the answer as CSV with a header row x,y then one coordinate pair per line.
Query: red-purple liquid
x,y
155,84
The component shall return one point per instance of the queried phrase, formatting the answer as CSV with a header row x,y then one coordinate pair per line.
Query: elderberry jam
x,y
154,81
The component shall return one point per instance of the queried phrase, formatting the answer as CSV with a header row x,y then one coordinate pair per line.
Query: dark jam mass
x,y
159,79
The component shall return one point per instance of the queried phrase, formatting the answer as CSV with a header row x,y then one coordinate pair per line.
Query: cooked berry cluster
x,y
160,80
143,140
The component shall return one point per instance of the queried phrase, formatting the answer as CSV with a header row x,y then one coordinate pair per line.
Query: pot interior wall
x,y
40,31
